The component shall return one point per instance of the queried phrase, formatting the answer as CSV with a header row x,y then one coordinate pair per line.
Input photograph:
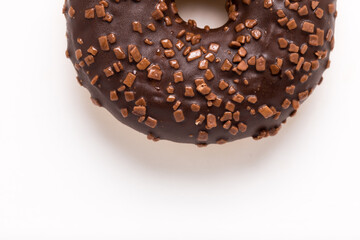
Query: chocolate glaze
x,y
268,88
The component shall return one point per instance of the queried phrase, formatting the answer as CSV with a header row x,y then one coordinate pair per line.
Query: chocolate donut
x,y
169,79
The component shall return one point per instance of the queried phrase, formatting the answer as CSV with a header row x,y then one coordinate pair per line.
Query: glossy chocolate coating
x,y
269,89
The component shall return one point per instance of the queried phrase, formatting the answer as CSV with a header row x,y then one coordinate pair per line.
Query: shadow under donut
x,y
167,157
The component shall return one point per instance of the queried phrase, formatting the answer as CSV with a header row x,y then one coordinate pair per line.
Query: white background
x,y
69,170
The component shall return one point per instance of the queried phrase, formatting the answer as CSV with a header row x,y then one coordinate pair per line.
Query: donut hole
x,y
205,12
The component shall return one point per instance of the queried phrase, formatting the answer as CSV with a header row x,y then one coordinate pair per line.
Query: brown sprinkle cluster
x,y
296,68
